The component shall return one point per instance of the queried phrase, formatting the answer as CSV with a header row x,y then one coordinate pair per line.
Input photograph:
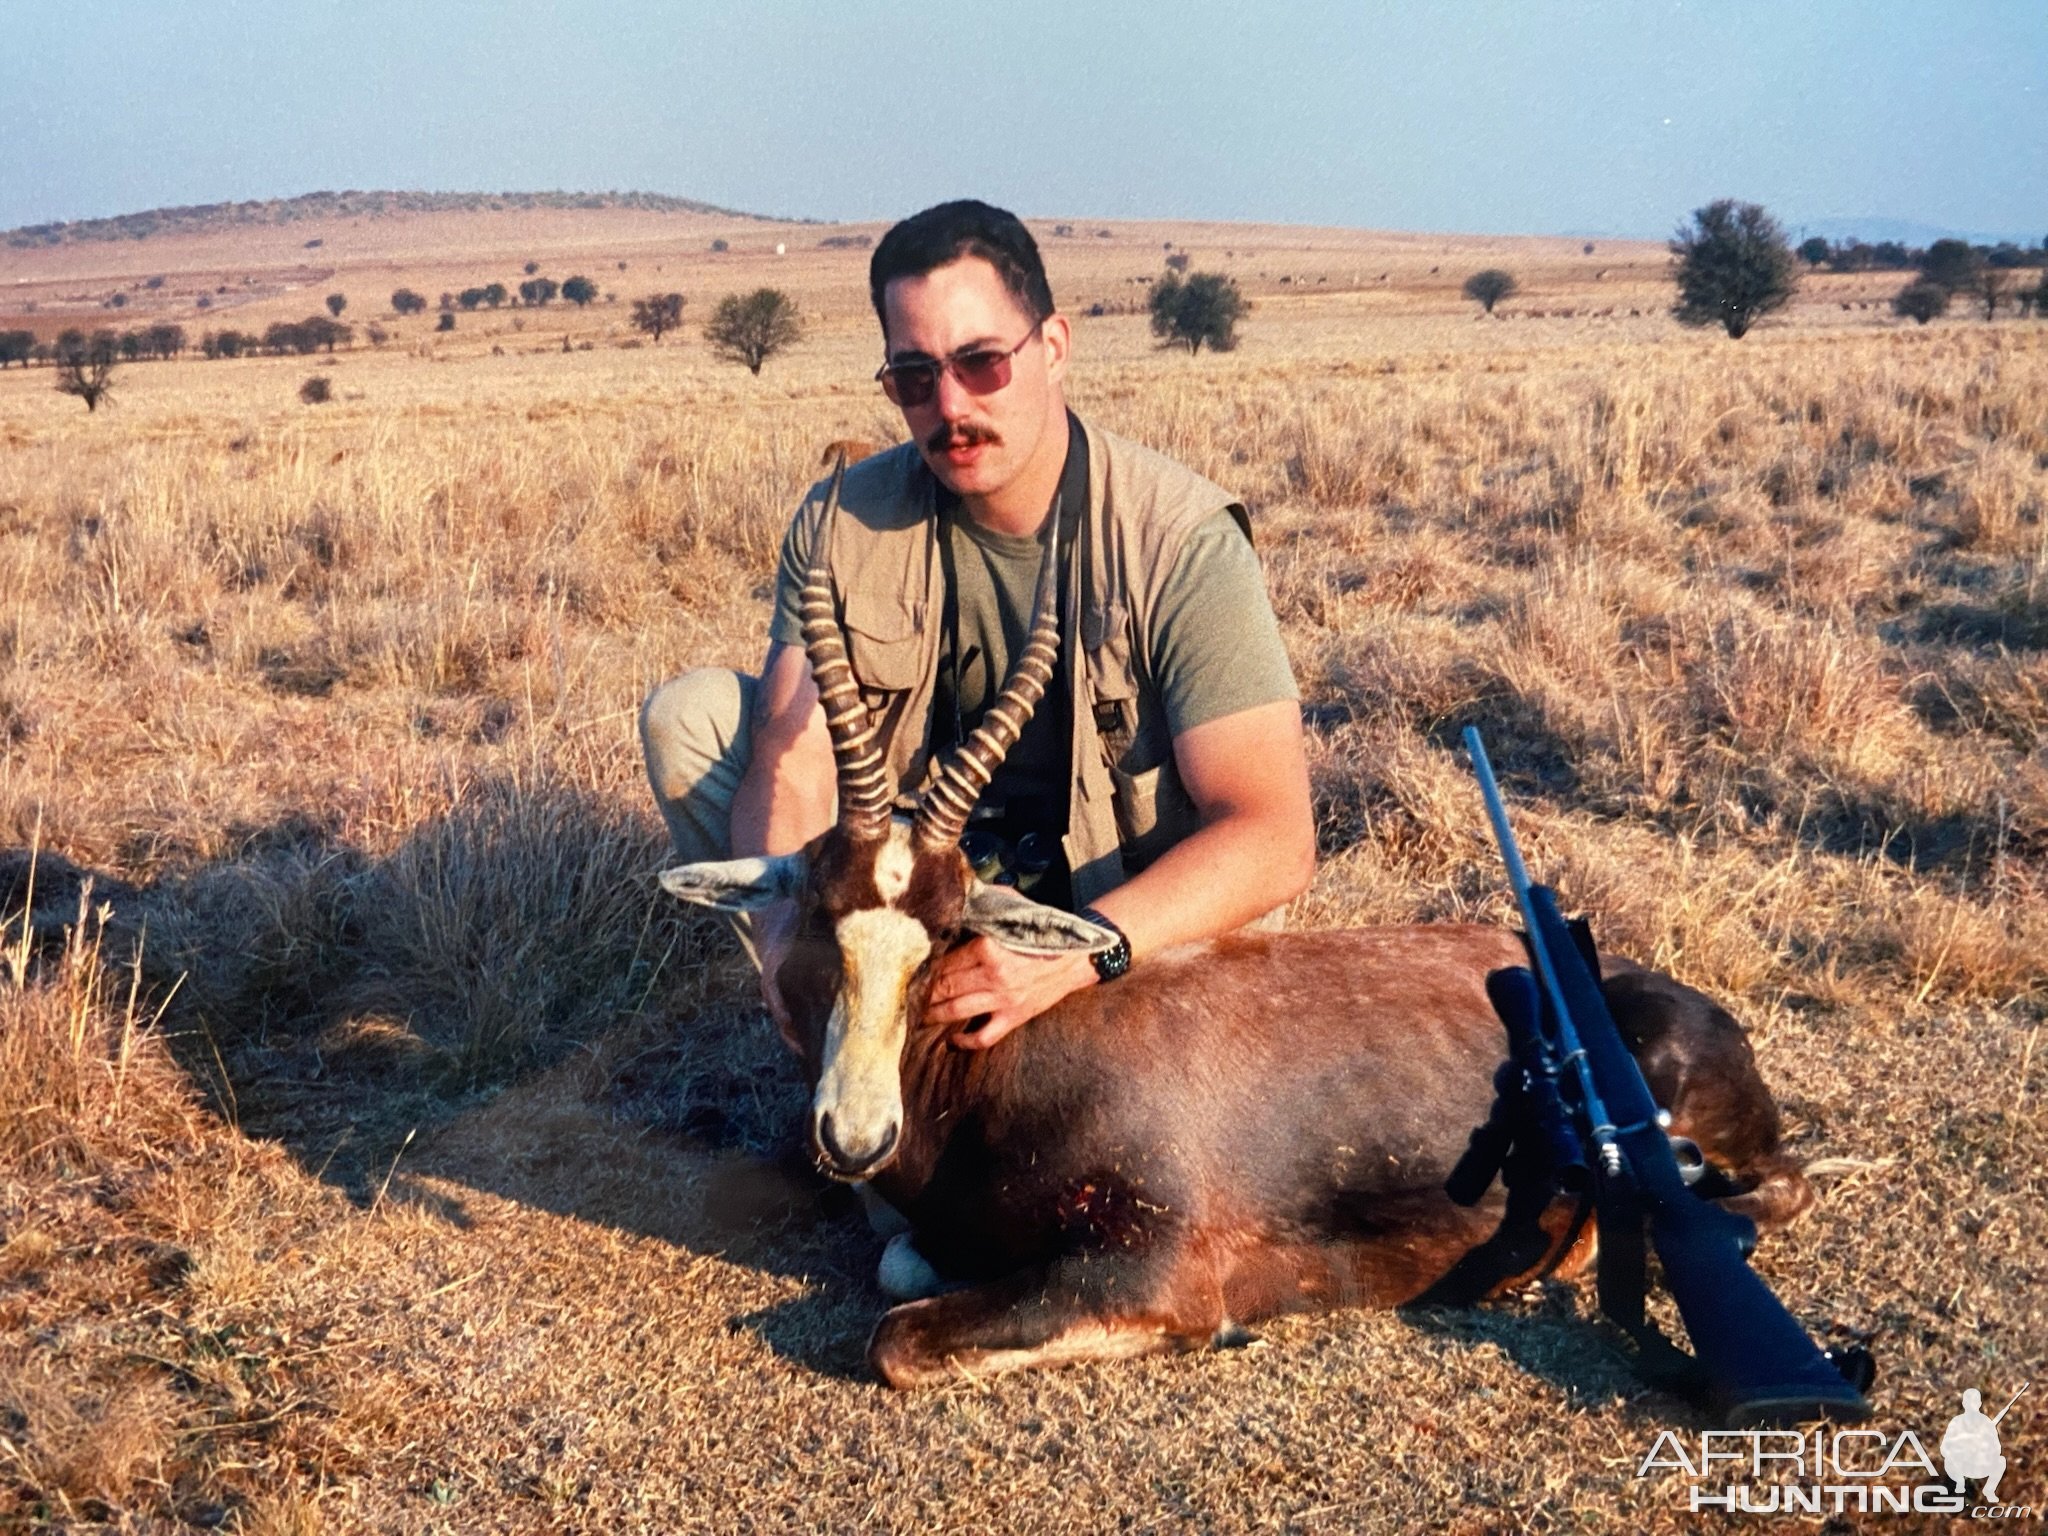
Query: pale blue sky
x,y
1513,116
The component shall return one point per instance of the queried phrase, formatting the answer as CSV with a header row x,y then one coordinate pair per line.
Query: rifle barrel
x,y
1601,1124
1497,813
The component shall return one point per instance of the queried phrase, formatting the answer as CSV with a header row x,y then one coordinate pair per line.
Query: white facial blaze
x,y
894,864
861,1085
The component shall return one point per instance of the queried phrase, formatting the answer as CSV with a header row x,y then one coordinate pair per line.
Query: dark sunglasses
x,y
982,371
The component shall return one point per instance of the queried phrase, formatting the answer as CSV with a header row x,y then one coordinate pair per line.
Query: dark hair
x,y
945,233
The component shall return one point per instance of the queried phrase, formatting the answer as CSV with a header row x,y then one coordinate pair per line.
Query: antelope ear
x,y
737,885
1030,927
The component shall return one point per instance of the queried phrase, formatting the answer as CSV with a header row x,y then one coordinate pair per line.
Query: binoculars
x,y
999,861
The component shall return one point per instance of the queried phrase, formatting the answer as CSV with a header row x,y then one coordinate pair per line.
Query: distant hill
x,y
205,218
1875,228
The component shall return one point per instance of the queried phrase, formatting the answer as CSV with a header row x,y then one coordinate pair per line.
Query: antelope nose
x,y
852,1158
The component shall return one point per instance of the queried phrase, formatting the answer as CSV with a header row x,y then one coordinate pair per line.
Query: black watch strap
x,y
1112,962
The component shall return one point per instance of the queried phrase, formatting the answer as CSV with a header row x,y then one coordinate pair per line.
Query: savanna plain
x,y
381,1150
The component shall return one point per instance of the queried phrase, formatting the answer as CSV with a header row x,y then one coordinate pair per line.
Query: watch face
x,y
1114,961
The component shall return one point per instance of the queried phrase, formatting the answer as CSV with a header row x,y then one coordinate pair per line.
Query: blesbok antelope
x,y
1253,1125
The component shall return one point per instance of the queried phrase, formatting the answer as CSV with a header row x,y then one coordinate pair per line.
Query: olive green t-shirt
x,y
995,579
1213,647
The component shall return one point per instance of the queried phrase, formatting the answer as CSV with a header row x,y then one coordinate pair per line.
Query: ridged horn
x,y
864,792
947,802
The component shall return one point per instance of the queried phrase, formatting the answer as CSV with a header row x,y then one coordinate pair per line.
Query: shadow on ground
x,y
505,1002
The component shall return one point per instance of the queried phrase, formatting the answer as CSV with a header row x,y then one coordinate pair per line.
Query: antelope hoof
x,y
900,1353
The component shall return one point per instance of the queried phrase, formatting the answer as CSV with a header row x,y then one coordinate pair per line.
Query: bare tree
x,y
752,328
658,314
1994,288
86,368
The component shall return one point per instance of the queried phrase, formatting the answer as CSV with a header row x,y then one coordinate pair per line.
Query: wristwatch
x,y
1112,962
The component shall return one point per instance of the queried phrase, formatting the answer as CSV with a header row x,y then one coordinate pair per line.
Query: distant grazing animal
x,y
852,449
1258,1124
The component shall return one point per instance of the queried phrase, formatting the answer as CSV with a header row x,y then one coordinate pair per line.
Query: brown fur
x,y
1260,1124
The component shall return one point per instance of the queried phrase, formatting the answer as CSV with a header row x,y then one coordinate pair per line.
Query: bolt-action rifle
x,y
1586,1112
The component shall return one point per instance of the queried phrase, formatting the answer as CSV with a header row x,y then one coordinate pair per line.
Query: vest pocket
x,y
1137,814
1136,790
1112,683
1153,814
885,644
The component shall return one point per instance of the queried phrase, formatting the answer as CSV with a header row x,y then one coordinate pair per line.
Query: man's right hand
x,y
784,799
774,931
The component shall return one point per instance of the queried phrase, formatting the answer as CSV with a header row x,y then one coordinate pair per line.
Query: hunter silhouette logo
x,y
1845,1469
1969,1447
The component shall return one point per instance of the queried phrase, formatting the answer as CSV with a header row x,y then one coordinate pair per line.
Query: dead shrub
x,y
284,1511
84,1079
77,1446
1799,692
1999,506
1961,949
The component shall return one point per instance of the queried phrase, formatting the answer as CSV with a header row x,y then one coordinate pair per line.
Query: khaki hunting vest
x,y
885,569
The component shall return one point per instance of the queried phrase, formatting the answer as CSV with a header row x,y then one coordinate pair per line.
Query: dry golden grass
x,y
378,1150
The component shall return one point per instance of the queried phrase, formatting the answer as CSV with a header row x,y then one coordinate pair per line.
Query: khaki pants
x,y
697,733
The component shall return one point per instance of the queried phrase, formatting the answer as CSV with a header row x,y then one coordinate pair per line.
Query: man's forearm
x,y
1219,879
775,811
786,793
1237,868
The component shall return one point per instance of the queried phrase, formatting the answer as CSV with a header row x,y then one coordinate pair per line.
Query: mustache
x,y
959,435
